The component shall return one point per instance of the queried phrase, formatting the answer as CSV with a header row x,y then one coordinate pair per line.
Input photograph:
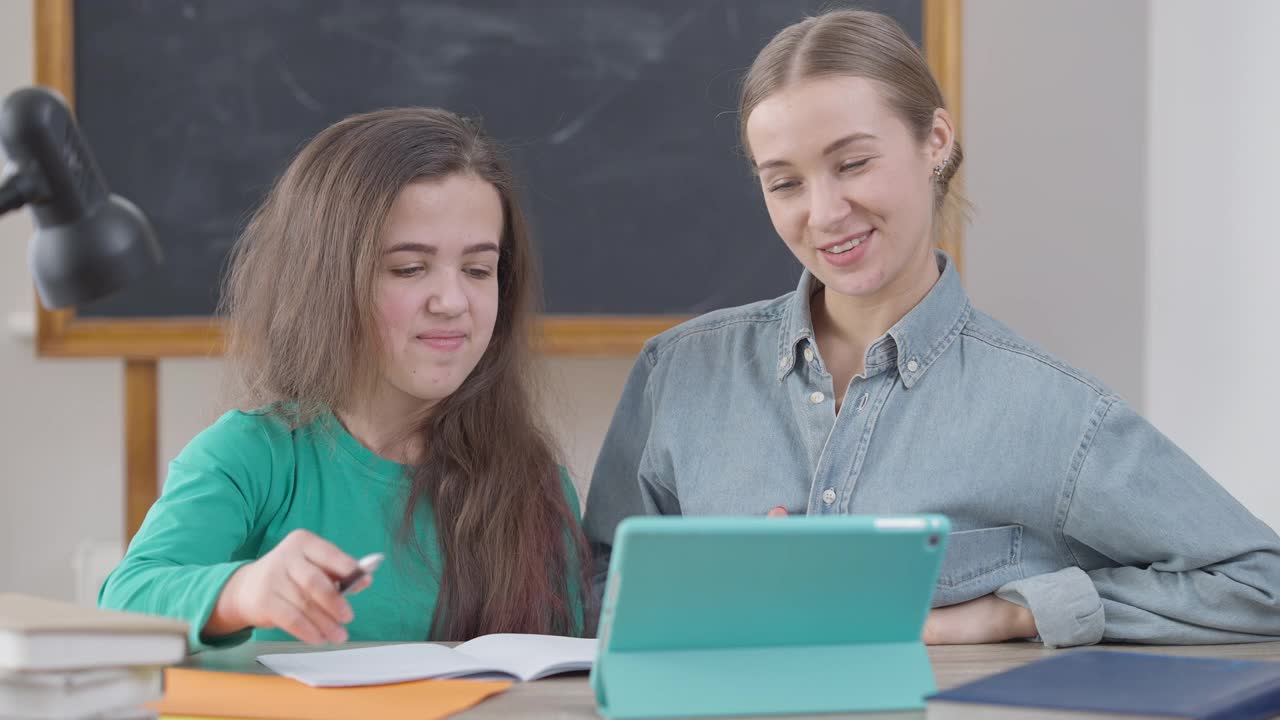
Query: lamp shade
x,y
88,242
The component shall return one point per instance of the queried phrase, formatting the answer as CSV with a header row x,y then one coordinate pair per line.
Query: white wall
x,y
60,431
1124,159
1213,334
1057,139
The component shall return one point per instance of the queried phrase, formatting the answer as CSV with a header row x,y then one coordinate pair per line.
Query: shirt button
x,y
817,398
828,496
808,354
912,365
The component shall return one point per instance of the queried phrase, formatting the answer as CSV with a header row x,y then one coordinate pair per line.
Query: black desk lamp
x,y
88,243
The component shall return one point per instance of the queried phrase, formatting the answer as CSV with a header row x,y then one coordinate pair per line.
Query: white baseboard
x,y
93,561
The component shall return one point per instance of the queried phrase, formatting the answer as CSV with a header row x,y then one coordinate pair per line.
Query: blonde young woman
x,y
876,387
379,307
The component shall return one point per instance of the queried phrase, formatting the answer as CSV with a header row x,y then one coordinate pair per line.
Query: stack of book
x,y
61,661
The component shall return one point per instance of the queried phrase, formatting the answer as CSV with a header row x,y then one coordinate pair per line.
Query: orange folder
x,y
205,693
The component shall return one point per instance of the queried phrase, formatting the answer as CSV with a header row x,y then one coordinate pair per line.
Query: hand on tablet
x,y
777,512
987,619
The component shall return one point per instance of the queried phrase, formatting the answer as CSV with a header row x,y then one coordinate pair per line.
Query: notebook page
x,y
379,665
530,657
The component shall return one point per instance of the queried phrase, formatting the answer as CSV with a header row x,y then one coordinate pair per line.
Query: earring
x,y
937,169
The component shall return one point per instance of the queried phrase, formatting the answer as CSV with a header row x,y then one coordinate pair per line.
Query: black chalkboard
x,y
619,115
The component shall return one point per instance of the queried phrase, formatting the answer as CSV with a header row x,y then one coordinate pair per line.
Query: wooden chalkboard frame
x,y
141,342
62,334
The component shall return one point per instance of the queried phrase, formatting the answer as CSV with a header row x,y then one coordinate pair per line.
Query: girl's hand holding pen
x,y
298,587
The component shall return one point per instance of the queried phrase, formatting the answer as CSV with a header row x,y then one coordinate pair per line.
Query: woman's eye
x,y
407,271
853,165
784,185
479,273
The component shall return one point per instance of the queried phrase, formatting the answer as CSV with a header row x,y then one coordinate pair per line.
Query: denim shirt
x,y
1062,498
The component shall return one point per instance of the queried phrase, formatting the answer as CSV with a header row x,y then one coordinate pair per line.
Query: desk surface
x,y
567,697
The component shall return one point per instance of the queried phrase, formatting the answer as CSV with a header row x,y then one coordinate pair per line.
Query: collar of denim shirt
x,y
912,344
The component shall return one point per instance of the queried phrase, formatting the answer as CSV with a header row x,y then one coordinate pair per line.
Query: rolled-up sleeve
x,y
1065,605
1164,553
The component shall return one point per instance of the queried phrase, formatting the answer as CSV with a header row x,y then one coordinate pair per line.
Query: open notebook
x,y
524,657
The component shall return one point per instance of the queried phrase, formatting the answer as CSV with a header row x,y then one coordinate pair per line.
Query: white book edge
x,y
81,651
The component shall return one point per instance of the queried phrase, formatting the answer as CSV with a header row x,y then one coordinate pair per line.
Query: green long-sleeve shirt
x,y
245,483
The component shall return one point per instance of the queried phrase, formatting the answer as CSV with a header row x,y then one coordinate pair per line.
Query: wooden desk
x,y
568,697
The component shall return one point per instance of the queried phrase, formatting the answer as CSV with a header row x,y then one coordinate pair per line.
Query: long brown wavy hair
x,y
303,341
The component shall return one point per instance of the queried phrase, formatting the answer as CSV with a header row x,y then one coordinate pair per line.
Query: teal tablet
x,y
742,616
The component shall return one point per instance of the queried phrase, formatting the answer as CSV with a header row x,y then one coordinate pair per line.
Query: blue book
x,y
1120,685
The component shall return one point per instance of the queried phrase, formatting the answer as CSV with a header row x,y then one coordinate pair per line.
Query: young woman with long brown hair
x,y
379,311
